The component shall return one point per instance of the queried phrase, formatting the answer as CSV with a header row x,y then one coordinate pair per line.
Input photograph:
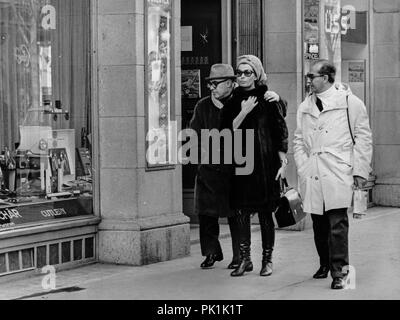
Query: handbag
x,y
290,207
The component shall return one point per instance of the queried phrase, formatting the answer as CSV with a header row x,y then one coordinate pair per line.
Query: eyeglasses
x,y
247,73
215,84
312,76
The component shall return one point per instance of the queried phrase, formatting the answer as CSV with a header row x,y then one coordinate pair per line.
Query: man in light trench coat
x,y
330,165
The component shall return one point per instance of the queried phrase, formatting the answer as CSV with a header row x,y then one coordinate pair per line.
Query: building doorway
x,y
201,48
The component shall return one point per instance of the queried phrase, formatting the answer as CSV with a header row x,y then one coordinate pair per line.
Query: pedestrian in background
x,y
330,164
252,108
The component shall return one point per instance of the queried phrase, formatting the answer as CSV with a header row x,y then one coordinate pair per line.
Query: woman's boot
x,y
245,242
245,264
268,241
266,268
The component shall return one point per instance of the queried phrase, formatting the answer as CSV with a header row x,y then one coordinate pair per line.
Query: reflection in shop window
x,y
159,82
45,111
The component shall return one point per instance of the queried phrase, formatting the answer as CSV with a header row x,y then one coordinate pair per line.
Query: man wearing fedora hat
x,y
213,180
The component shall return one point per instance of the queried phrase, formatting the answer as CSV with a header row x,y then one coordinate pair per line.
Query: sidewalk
x,y
374,252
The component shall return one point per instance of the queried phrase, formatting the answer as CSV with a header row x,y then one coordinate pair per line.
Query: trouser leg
x,y
338,241
209,233
321,238
267,230
235,236
244,231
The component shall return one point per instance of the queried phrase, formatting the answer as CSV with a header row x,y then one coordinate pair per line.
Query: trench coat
x,y
213,181
325,155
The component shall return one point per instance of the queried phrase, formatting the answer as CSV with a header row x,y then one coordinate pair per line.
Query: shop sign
x,y
44,211
311,51
311,29
160,2
195,60
339,20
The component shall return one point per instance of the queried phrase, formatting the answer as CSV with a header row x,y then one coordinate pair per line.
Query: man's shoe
x,y
210,260
337,284
234,265
322,273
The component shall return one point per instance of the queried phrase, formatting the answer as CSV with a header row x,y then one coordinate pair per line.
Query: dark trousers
x,y
331,233
266,225
209,234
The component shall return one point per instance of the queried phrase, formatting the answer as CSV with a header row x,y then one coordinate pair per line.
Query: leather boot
x,y
266,268
268,242
245,242
245,264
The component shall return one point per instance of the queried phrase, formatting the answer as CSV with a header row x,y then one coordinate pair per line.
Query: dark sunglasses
x,y
214,84
312,76
247,73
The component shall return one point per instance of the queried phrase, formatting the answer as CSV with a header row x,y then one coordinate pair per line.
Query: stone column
x,y
283,60
386,108
141,211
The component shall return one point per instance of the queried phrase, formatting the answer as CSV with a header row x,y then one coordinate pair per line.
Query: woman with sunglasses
x,y
249,109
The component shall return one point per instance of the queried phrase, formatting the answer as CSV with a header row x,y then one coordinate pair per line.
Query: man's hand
x,y
249,104
359,182
272,96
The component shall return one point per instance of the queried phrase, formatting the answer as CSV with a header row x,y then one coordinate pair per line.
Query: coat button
x,y
316,179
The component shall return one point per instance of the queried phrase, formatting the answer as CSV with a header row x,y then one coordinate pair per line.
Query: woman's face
x,y
246,77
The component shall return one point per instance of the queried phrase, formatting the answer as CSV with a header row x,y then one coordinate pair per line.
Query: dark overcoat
x,y
259,191
213,181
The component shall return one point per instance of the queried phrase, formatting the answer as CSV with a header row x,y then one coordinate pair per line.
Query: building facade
x,y
94,92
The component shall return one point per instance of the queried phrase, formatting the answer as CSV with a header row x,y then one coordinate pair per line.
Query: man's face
x,y
316,81
221,89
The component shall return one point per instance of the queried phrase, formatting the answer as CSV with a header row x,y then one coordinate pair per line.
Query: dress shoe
x,y
322,273
210,260
234,265
337,284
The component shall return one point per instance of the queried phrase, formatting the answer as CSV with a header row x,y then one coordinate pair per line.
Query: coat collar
x,y
335,101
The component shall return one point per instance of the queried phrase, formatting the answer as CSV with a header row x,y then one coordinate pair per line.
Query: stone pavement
x,y
374,253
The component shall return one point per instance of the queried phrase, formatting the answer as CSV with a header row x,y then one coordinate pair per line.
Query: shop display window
x,y
158,82
45,111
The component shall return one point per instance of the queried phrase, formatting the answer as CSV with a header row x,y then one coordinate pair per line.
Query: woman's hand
x,y
272,96
249,104
281,173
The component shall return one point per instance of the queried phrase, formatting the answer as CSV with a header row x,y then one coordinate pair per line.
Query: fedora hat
x,y
221,71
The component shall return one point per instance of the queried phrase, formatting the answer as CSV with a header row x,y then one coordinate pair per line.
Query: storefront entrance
x,y
201,48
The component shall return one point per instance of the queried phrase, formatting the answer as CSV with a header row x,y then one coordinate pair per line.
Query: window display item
x,y
84,165
360,205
